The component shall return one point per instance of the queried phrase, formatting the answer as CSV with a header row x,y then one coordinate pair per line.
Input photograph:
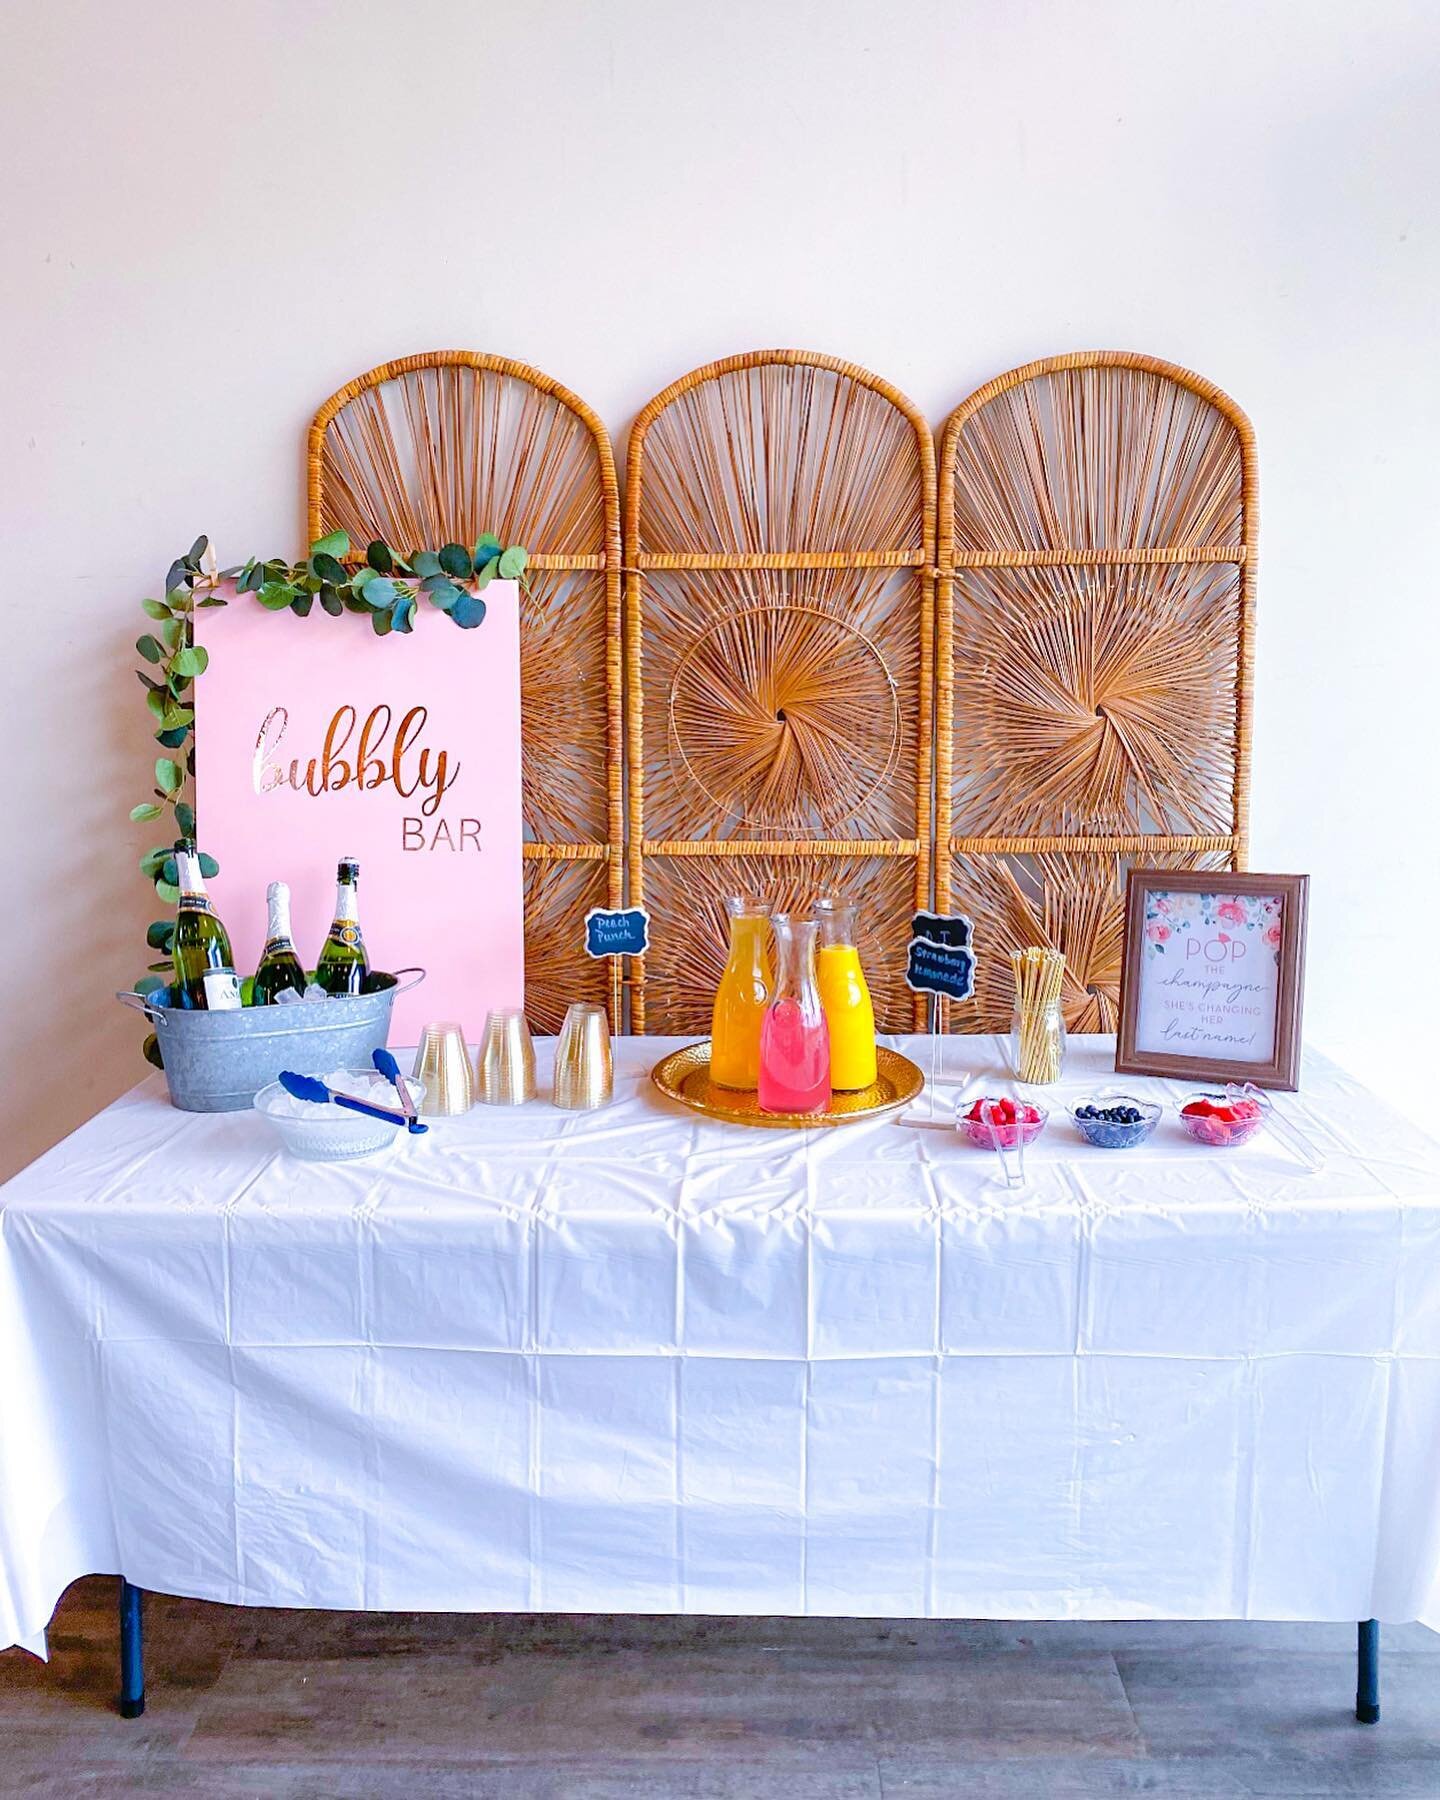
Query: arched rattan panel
x,y
1094,660
436,449
779,534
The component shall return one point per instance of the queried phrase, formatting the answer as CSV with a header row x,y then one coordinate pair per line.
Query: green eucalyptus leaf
x,y
150,984
209,868
468,611
381,592
185,819
512,562
149,648
426,562
147,683
443,594
153,861
150,1049
301,605
178,717
328,568
362,578
177,578
155,609
172,737
213,600
167,775
169,871
483,577
489,544
160,934
402,618
251,577
198,549
381,622
172,632
379,557
168,892
145,812
275,596
156,701
334,543
455,560
331,602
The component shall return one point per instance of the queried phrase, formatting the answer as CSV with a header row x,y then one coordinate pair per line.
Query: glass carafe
x,y
741,998
849,1014
794,1041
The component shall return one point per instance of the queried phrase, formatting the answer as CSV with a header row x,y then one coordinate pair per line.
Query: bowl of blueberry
x,y
1015,1122
1116,1121
1219,1120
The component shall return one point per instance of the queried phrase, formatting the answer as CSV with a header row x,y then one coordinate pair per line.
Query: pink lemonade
x,y
794,1059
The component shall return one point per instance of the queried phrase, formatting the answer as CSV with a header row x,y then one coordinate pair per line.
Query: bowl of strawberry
x,y
1015,1122
1219,1121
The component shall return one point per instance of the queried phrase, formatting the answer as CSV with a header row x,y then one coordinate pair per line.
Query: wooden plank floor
x,y
366,1706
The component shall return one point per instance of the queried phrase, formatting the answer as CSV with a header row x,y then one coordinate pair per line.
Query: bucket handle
x,y
404,987
139,1003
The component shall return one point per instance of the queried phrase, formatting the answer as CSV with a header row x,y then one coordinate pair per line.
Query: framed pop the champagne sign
x,y
1213,976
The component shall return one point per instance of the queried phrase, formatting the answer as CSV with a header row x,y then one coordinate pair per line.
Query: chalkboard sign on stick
x,y
617,931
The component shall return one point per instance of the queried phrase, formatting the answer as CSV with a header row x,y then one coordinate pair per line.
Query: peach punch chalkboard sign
x,y
1213,976
316,739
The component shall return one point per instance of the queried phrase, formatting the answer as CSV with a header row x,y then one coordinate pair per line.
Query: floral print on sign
x,y
1249,918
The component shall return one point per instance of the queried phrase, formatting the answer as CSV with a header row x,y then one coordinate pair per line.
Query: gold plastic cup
x,y
505,1067
584,1074
443,1063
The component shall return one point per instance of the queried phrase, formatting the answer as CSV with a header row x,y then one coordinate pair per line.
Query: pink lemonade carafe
x,y
794,1039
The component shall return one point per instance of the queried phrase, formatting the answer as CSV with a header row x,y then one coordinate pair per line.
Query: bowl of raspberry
x,y
1015,1122
1220,1121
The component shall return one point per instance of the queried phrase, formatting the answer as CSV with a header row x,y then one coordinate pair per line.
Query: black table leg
x,y
1367,1672
132,1652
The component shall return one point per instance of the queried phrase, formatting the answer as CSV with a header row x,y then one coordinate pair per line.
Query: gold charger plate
x,y
684,1075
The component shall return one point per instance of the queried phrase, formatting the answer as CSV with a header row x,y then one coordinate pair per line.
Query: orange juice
x,y
741,999
846,999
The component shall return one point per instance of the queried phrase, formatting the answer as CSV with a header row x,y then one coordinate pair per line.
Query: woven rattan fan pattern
x,y
1094,656
779,524
435,449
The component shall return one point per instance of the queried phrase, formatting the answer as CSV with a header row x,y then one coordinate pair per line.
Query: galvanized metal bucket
x,y
219,1061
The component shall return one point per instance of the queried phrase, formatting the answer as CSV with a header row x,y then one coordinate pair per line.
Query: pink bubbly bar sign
x,y
315,739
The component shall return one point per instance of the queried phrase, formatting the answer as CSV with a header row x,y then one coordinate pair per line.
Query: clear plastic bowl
x,y
1106,1135
331,1133
1220,1134
976,1132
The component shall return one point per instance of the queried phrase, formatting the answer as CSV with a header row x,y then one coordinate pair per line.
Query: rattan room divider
x,y
1098,520
780,515
435,449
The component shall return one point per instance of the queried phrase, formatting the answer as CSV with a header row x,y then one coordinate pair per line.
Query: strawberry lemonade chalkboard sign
x,y
401,751
1213,976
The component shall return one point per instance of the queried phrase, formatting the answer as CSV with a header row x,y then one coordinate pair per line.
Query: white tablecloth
x,y
634,1361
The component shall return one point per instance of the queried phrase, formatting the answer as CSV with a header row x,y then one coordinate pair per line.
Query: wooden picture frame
x,y
1215,920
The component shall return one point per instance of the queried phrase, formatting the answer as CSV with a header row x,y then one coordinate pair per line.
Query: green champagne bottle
x,y
279,969
204,967
343,964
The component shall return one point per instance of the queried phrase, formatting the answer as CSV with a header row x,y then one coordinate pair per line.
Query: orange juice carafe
x,y
741,998
846,999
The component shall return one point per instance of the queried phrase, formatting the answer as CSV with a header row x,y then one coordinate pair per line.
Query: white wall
x,y
216,211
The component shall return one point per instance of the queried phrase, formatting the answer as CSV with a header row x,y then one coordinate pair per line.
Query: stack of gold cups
x,y
505,1067
584,1074
442,1062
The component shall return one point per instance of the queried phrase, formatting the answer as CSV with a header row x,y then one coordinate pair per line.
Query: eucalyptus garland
x,y
387,586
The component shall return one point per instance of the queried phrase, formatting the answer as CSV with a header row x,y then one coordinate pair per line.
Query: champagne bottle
x,y
343,964
279,965
204,967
